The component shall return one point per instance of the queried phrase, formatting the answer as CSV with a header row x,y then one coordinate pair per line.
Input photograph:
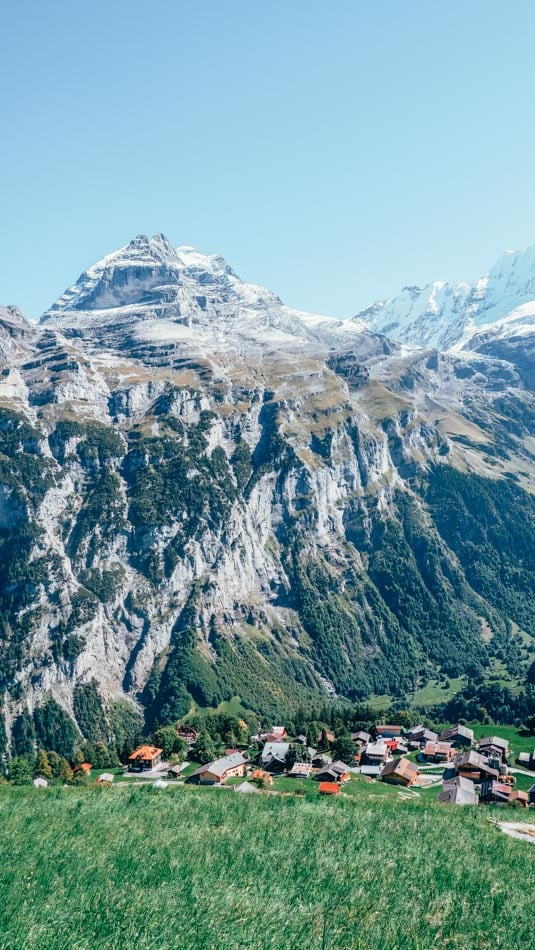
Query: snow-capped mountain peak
x,y
151,292
443,315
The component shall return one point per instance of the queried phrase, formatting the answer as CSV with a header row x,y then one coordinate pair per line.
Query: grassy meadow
x,y
205,868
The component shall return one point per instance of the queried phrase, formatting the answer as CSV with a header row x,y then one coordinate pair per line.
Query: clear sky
x,y
333,152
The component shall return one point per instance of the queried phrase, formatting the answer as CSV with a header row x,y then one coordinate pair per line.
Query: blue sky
x,y
333,152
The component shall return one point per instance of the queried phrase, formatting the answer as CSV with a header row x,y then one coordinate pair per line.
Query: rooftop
x,y
146,753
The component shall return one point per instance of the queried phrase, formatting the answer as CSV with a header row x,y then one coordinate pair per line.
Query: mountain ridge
x,y
448,316
252,501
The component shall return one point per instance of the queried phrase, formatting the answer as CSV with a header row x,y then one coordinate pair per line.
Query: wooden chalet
x,y
146,758
360,738
474,766
329,788
400,772
259,775
417,736
273,757
494,748
334,772
494,793
458,791
188,733
438,752
218,771
375,753
517,795
459,736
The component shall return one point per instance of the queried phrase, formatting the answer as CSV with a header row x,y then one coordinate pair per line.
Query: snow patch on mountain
x,y
158,294
444,316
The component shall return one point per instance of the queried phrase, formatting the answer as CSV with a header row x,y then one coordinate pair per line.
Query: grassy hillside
x,y
197,868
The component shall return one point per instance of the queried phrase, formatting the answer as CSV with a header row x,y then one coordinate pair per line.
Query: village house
x,y
400,772
188,733
85,767
458,791
397,746
474,766
527,759
494,793
388,731
360,738
146,758
334,772
175,771
418,736
277,734
300,770
325,736
375,753
273,757
329,788
218,771
459,736
40,781
494,748
517,795
259,775
438,752
106,778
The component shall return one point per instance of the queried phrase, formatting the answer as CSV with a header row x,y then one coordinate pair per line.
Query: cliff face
x,y
275,506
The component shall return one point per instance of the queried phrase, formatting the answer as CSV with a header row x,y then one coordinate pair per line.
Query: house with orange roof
x,y
329,788
145,758
260,775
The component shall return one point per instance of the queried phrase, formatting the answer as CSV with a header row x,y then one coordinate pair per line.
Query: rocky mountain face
x,y
205,493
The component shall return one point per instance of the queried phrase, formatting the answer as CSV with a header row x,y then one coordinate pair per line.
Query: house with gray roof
x,y
273,757
218,771
458,791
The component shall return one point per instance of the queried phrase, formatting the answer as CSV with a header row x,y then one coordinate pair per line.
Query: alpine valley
x,y
205,494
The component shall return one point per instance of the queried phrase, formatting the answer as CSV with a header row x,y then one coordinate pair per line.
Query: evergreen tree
x,y
42,765
89,712
23,735
80,778
65,771
20,772
54,729
345,749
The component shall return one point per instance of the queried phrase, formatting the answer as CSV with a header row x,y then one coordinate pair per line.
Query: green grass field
x,y
195,869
